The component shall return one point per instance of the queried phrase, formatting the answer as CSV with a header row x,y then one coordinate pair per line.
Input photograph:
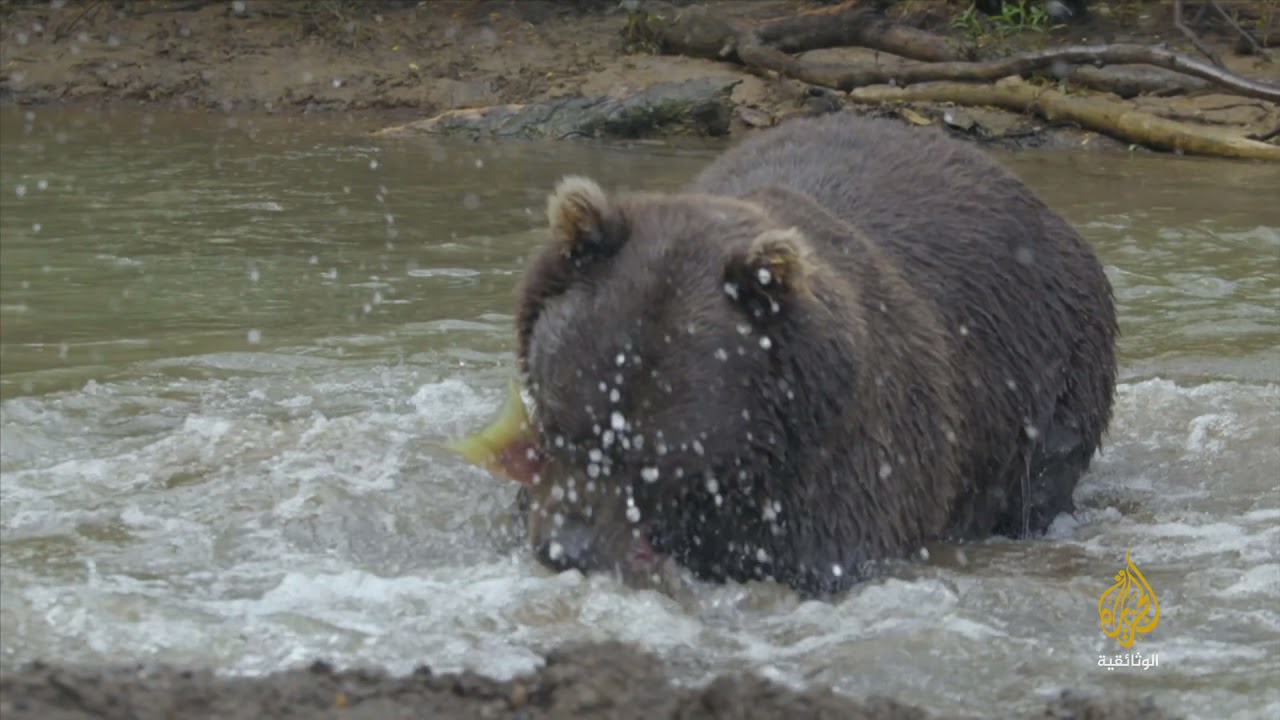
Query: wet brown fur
x,y
939,361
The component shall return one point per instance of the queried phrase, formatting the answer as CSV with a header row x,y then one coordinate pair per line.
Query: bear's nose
x,y
571,546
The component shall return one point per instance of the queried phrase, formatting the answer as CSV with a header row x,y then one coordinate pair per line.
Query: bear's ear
x,y
773,270
583,220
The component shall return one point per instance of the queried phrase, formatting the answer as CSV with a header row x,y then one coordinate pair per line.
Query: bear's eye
x,y
590,247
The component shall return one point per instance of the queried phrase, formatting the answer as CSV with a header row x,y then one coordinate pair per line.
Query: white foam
x,y
264,519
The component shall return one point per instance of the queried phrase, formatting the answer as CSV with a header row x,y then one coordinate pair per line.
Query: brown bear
x,y
843,340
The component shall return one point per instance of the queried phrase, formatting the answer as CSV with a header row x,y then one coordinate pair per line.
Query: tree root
x,y
1096,113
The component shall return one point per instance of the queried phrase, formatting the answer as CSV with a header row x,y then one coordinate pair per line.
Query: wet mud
x,y
502,67
590,681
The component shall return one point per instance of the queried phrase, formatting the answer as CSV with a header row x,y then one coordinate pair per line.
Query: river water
x,y
231,349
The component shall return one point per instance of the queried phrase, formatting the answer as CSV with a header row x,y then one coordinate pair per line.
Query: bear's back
x,y
1023,301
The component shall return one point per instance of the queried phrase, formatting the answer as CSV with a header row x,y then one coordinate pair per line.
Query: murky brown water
x,y
229,351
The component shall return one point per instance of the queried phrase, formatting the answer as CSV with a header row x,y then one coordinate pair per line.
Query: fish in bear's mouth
x,y
509,446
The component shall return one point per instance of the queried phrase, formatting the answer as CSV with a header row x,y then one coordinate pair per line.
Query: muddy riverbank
x,y
405,61
591,681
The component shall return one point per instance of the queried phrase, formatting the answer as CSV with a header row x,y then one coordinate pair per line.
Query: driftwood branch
x,y
1273,132
852,24
1252,42
841,77
1100,114
1191,35
1129,81
697,32
927,66
700,32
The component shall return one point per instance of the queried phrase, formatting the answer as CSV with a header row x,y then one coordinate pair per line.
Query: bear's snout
x,y
572,546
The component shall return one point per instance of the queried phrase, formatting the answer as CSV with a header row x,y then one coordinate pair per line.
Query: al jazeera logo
x,y
1126,610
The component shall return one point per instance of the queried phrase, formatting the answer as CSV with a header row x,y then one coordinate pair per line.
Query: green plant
x,y
1016,16
637,34
969,22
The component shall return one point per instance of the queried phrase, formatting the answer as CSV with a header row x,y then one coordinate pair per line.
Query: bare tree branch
x,y
1192,36
1257,47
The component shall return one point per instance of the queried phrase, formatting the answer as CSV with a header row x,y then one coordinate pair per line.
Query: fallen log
x,y
1128,81
703,32
842,78
1096,113
698,32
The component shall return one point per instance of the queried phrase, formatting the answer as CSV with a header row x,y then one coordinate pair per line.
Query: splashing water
x,y
208,468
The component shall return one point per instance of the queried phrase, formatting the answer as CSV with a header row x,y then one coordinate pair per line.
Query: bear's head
x,y
667,342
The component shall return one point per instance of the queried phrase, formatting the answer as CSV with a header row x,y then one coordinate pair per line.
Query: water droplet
x,y
557,492
765,342
555,550
885,470
20,189
837,570
650,474
617,421
731,289
721,355
764,276
614,395
254,337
